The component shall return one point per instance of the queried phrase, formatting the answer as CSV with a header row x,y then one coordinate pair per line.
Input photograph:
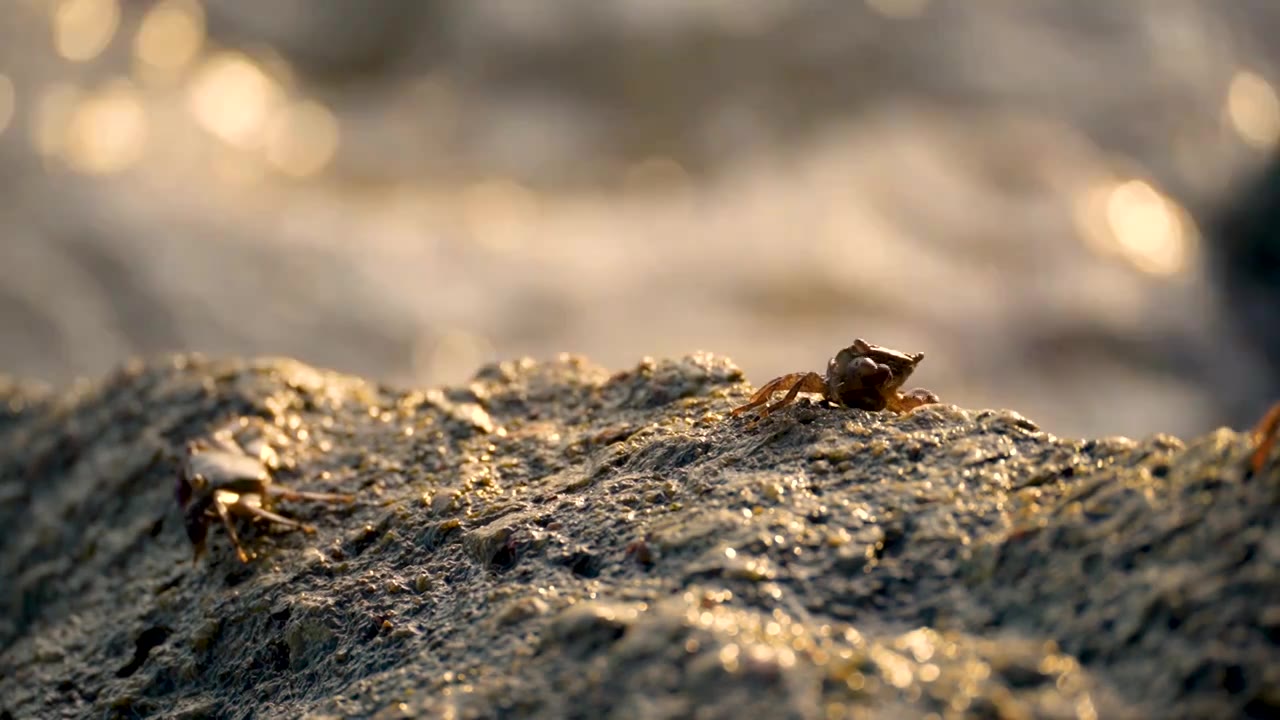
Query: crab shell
x,y
207,471
867,376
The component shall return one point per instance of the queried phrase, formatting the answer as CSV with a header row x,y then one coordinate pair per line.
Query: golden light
x,y
1140,224
302,139
51,115
7,102
100,133
107,132
227,496
499,213
899,9
1253,110
233,99
170,35
82,29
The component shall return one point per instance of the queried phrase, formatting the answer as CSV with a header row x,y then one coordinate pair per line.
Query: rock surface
x,y
557,541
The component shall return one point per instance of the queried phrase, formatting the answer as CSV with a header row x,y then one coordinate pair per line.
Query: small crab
x,y
1264,436
219,479
863,376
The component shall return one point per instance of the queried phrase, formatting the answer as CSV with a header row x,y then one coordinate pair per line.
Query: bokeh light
x,y
1138,223
234,99
169,37
1253,110
811,190
302,139
82,29
107,131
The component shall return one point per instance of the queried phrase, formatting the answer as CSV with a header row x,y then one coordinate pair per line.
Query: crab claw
x,y
913,399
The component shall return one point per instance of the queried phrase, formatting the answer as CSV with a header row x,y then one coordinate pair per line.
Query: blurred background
x,y
1067,206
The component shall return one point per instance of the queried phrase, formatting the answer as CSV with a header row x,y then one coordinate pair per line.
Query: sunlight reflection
x,y
233,99
82,29
1254,110
302,139
170,36
107,131
1134,220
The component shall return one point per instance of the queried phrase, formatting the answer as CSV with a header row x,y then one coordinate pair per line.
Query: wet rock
x,y
554,540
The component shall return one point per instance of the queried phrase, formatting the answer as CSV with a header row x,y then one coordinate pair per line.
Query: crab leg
x,y
258,512
1264,434
199,546
221,508
902,402
291,494
808,382
762,395
794,380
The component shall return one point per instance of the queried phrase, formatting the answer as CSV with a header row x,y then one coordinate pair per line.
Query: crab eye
x,y
864,366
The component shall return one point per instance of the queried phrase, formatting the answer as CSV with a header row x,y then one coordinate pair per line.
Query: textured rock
x,y
557,541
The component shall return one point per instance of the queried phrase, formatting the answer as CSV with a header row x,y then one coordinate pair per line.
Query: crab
x,y
218,479
1264,436
863,376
